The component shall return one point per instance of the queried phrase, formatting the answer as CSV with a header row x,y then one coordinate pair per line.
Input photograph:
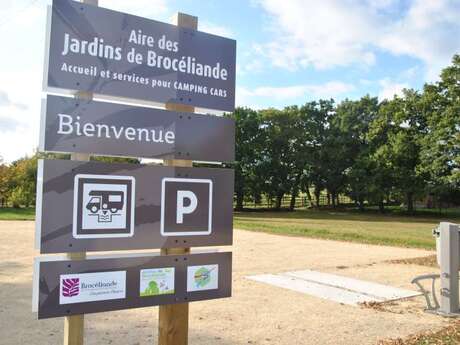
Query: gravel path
x,y
256,314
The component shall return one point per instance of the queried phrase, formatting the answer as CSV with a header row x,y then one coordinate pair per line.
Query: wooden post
x,y
173,318
74,325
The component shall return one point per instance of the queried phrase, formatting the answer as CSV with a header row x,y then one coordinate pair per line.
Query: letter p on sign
x,y
182,195
186,207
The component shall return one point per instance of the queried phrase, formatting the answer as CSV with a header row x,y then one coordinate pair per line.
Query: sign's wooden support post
x,y
173,318
74,325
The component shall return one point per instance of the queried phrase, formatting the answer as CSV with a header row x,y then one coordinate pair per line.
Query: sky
x,y
288,51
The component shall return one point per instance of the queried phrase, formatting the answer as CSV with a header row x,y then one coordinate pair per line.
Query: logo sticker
x,y
156,281
91,287
200,278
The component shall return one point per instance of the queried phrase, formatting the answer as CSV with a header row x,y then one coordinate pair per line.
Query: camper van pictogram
x,y
104,204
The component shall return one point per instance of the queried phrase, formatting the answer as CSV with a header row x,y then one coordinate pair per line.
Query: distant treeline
x,y
378,153
394,151
18,179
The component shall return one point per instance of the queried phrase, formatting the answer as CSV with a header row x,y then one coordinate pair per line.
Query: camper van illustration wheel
x,y
105,200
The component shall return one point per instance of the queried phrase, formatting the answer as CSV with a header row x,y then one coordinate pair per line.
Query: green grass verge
x,y
9,213
393,229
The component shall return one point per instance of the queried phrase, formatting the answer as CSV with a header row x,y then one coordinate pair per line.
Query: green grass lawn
x,y
394,229
9,213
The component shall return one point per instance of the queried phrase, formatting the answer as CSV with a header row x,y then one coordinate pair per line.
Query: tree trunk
x,y
317,195
328,199
239,201
292,203
295,191
309,196
410,202
333,200
381,206
279,199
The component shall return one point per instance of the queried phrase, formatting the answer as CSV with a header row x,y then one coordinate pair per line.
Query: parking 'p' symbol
x,y
183,195
186,207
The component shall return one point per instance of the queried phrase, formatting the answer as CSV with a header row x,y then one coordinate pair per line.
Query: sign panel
x,y
103,284
117,54
111,129
91,206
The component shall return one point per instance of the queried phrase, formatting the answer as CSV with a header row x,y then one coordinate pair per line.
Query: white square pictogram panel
x,y
103,206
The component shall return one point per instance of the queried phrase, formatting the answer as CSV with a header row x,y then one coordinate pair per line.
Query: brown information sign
x,y
91,206
111,129
116,54
98,285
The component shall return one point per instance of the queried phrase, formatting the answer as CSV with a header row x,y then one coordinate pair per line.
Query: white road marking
x,y
314,289
334,288
381,291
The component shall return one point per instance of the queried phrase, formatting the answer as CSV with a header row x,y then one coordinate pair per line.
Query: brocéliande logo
x,y
92,287
72,287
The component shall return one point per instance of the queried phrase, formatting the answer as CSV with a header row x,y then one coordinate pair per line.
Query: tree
x,y
279,155
21,181
400,125
3,184
248,144
440,156
321,155
353,120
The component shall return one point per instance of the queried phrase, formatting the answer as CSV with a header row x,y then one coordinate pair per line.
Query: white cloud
x,y
19,125
19,13
253,97
155,9
382,4
21,77
5,101
332,33
250,67
215,29
323,33
411,72
429,31
8,124
389,89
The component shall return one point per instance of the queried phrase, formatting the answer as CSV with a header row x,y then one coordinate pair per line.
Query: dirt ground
x,y
256,314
